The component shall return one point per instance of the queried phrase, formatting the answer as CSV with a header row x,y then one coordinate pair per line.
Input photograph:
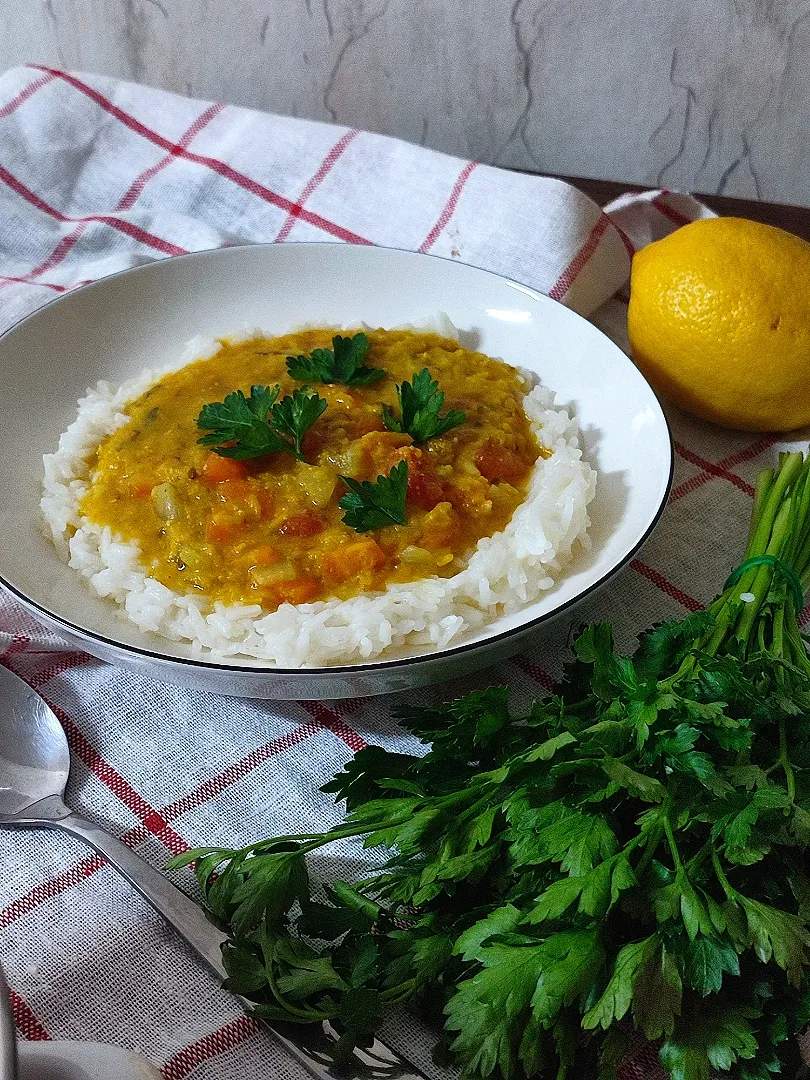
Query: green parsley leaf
x,y
715,1039
707,958
777,934
500,921
657,994
373,506
293,416
420,403
247,427
343,363
240,424
618,994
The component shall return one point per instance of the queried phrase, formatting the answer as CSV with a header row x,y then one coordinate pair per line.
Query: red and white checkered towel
x,y
96,176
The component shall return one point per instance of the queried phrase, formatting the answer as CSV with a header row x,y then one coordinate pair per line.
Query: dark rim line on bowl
x,y
360,668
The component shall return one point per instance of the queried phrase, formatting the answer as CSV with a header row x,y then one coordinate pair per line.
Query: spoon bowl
x,y
34,754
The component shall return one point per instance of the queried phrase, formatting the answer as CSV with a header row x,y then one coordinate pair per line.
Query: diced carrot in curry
x,y
221,530
270,531
297,590
440,528
363,556
264,555
234,490
216,468
376,453
302,525
497,462
424,488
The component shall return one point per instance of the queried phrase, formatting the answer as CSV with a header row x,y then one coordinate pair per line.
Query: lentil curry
x,y
269,530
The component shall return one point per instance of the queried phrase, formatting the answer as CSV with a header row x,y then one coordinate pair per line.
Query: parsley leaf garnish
x,y
420,403
295,415
343,363
373,506
247,427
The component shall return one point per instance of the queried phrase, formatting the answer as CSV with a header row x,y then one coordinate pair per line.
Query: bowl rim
x,y
375,665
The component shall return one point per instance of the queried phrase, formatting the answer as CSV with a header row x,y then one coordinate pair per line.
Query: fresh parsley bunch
x,y
629,853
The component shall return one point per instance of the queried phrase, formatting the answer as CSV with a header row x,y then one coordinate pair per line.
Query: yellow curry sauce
x,y
269,530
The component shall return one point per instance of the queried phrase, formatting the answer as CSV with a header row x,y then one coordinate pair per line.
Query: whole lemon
x,y
719,322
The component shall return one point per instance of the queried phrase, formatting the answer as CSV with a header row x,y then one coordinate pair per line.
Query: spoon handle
x,y
187,918
313,1049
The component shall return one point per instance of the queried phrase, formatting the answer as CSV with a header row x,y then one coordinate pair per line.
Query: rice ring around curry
x,y
505,572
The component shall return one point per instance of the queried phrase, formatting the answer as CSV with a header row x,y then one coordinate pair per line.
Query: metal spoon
x,y
8,1040
34,767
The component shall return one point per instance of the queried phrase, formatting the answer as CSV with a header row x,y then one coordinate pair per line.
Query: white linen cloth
x,y
96,176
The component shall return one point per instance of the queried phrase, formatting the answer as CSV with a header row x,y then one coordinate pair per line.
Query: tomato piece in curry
x,y
269,530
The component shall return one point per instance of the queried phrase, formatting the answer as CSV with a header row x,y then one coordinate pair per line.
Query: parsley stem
x,y
790,777
305,1014
395,995
789,468
731,894
345,834
699,855
650,847
673,847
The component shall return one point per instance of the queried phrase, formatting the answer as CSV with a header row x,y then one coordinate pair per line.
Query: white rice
x,y
506,572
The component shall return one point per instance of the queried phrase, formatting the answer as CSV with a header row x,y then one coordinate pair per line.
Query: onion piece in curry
x,y
269,530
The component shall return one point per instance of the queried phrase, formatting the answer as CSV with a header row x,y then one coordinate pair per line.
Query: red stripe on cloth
x,y
137,186
449,208
213,786
750,452
66,662
121,788
136,835
641,1063
540,675
328,718
670,212
40,893
572,271
59,252
210,1046
220,167
625,239
25,94
714,470
4,280
27,1023
74,875
19,643
127,227
66,244
323,171
747,454
666,586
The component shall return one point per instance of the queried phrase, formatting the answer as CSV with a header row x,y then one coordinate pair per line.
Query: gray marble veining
x,y
709,96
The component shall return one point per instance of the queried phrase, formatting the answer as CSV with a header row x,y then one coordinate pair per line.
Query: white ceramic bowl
x,y
118,326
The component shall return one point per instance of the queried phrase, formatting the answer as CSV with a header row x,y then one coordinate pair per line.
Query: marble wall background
x,y
706,95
